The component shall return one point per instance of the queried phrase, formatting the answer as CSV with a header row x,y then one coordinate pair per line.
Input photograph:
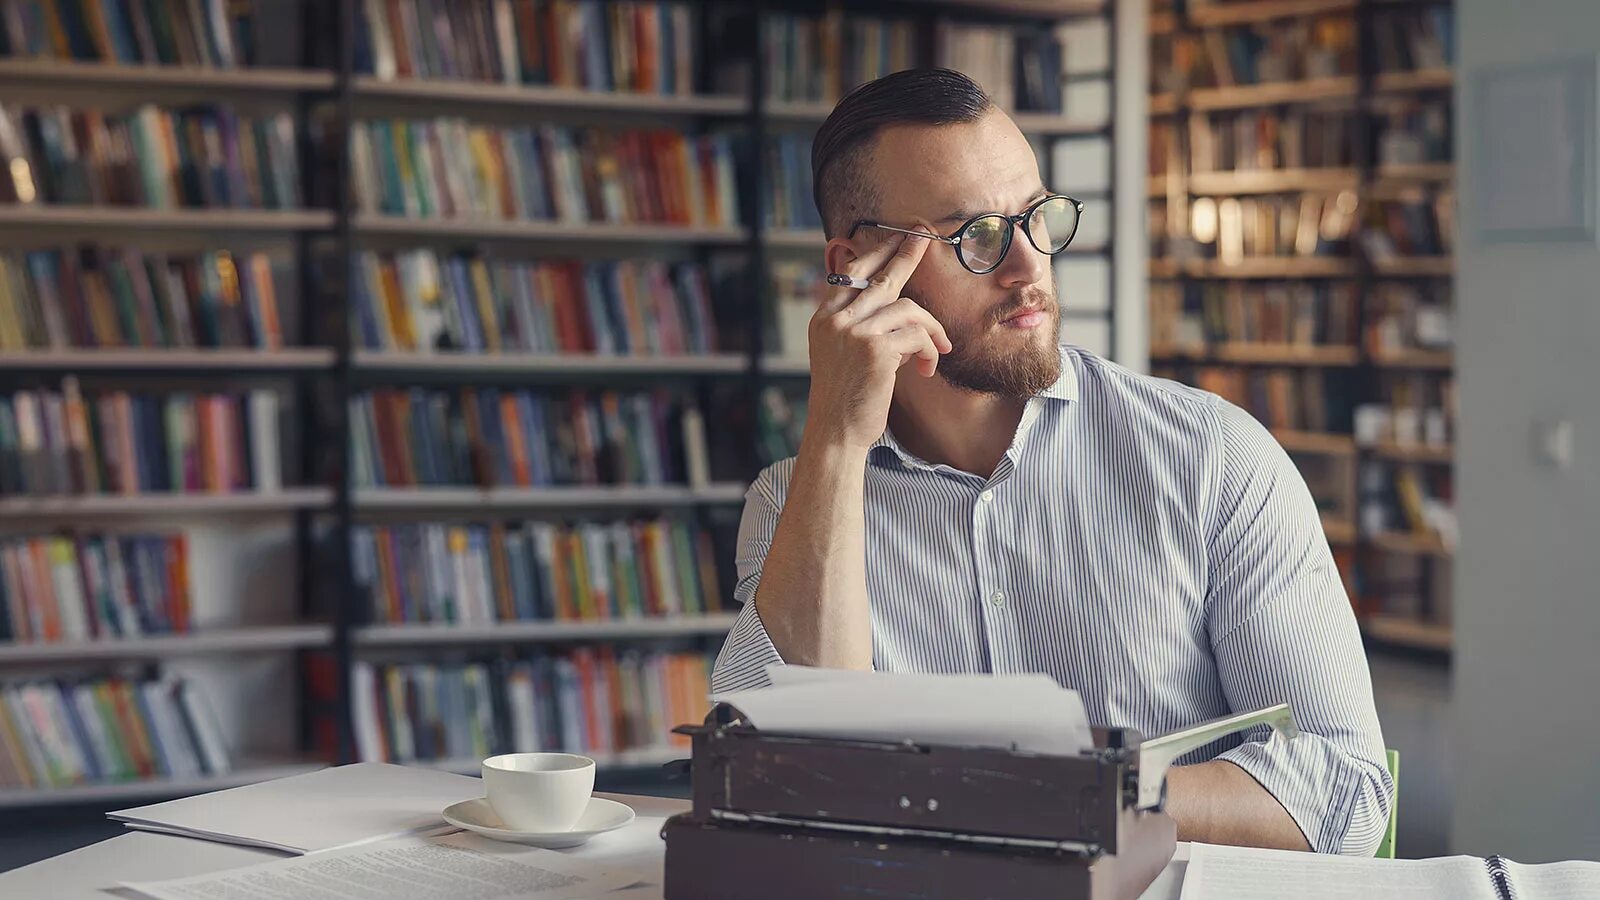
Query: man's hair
x,y
841,153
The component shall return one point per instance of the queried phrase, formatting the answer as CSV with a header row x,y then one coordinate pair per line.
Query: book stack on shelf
x,y
93,586
608,704
536,571
149,32
65,733
1275,156
818,58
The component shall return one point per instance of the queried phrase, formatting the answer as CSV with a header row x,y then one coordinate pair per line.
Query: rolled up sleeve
x,y
748,650
1282,630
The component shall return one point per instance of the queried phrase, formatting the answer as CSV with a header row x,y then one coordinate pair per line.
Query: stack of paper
x,y
1023,712
330,808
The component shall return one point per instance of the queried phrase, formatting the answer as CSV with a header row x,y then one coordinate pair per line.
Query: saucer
x,y
479,817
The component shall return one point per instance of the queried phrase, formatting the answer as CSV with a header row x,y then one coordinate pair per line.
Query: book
x,y
781,423
1415,39
1292,49
450,168
1266,140
1280,398
789,203
813,57
1193,316
70,731
150,157
1419,224
591,700
145,591
211,35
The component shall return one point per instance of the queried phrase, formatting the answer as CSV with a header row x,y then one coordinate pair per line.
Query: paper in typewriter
x,y
1027,712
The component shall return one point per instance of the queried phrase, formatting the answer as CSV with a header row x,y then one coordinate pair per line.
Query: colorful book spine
x,y
789,201
133,32
87,587
592,700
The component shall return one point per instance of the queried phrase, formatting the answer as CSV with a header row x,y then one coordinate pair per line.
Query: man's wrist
x,y
820,453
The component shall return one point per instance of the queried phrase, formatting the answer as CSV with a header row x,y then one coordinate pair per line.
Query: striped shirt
x,y
1144,543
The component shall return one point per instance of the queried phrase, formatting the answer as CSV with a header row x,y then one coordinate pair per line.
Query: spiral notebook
x,y
1242,873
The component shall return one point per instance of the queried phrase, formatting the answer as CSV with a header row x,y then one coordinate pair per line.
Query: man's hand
x,y
860,339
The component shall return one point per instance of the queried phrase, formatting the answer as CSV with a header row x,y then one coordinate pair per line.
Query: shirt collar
x,y
1064,388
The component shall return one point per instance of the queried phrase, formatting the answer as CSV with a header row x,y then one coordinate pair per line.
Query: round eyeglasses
x,y
982,241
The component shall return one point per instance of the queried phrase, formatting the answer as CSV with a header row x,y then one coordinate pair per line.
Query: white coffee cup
x,y
540,792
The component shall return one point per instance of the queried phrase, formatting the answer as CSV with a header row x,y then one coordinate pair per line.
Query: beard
x,y
979,365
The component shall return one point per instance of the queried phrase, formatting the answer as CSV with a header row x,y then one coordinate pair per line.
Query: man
x,y
970,497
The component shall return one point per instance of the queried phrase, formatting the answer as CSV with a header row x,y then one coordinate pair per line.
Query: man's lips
x,y
1032,317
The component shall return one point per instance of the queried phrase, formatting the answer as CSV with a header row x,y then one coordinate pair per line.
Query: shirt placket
x,y
990,525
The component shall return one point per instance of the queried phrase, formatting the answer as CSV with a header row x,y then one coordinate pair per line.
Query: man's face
x,y
1003,325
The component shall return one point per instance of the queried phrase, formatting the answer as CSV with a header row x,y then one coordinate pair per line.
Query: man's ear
x,y
839,253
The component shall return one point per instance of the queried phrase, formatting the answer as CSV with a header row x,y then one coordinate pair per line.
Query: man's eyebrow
x,y
960,214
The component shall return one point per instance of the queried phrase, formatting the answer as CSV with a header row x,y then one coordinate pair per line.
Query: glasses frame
x,y
954,237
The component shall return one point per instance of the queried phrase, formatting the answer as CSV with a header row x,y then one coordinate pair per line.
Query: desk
x,y
87,873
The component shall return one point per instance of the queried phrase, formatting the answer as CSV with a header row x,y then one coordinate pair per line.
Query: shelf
x,y
1315,442
1163,104
447,498
786,366
205,359
1264,354
1409,632
1408,544
546,97
1274,181
1274,94
1261,267
561,363
795,239
165,505
1415,267
1216,15
1415,453
122,76
127,217
153,788
1414,359
534,230
1427,172
543,632
241,639
1338,531
641,758
1422,80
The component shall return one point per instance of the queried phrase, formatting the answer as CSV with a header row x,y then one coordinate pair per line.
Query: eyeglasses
x,y
982,241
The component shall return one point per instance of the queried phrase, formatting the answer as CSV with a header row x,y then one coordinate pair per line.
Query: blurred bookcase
x,y
1301,191
300,610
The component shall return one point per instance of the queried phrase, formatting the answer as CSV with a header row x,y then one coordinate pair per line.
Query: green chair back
x,y
1386,849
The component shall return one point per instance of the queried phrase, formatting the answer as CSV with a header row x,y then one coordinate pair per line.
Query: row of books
x,y
822,57
1411,39
83,587
790,202
121,297
537,571
1268,139
1233,228
1290,399
1197,314
781,422
588,700
452,168
61,733
116,442
797,288
1404,315
1415,226
420,300
1018,69
618,45
1414,130
195,157
521,438
168,32
1415,409
1413,499
1287,50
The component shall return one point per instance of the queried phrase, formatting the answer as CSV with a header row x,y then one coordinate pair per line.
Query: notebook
x,y
322,810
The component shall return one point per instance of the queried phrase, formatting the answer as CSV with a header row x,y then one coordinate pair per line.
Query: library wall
x,y
1527,620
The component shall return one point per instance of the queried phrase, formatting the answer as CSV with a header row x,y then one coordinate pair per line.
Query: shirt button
x,y
986,496
997,598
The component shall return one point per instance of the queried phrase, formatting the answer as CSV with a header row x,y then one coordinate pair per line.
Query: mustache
x,y
1028,298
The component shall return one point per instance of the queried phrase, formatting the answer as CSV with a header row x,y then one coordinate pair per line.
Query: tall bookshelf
x,y
1368,99
280,623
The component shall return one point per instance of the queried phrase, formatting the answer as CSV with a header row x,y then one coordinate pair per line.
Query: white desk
x,y
89,872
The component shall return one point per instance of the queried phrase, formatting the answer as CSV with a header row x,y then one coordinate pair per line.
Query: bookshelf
x,y
287,551
1237,125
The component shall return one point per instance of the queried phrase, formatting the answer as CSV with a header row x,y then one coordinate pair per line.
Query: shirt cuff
x,y
745,655
1339,802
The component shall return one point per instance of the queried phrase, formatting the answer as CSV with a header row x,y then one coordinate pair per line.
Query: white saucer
x,y
479,817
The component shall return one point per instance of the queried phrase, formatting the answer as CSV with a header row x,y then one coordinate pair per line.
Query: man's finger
x,y
903,312
862,266
888,282
914,343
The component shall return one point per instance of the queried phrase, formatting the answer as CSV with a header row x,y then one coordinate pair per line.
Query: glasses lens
x,y
983,242
1053,224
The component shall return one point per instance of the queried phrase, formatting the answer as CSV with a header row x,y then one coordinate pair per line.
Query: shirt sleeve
x,y
748,650
1282,629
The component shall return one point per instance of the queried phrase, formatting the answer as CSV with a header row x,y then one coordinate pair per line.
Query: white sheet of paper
x,y
458,866
1030,712
1556,881
1244,873
322,810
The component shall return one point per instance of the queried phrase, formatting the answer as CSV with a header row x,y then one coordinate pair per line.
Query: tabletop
x,y
93,872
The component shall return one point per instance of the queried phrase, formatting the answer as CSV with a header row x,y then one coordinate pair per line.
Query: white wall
x,y
1130,137
1527,665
